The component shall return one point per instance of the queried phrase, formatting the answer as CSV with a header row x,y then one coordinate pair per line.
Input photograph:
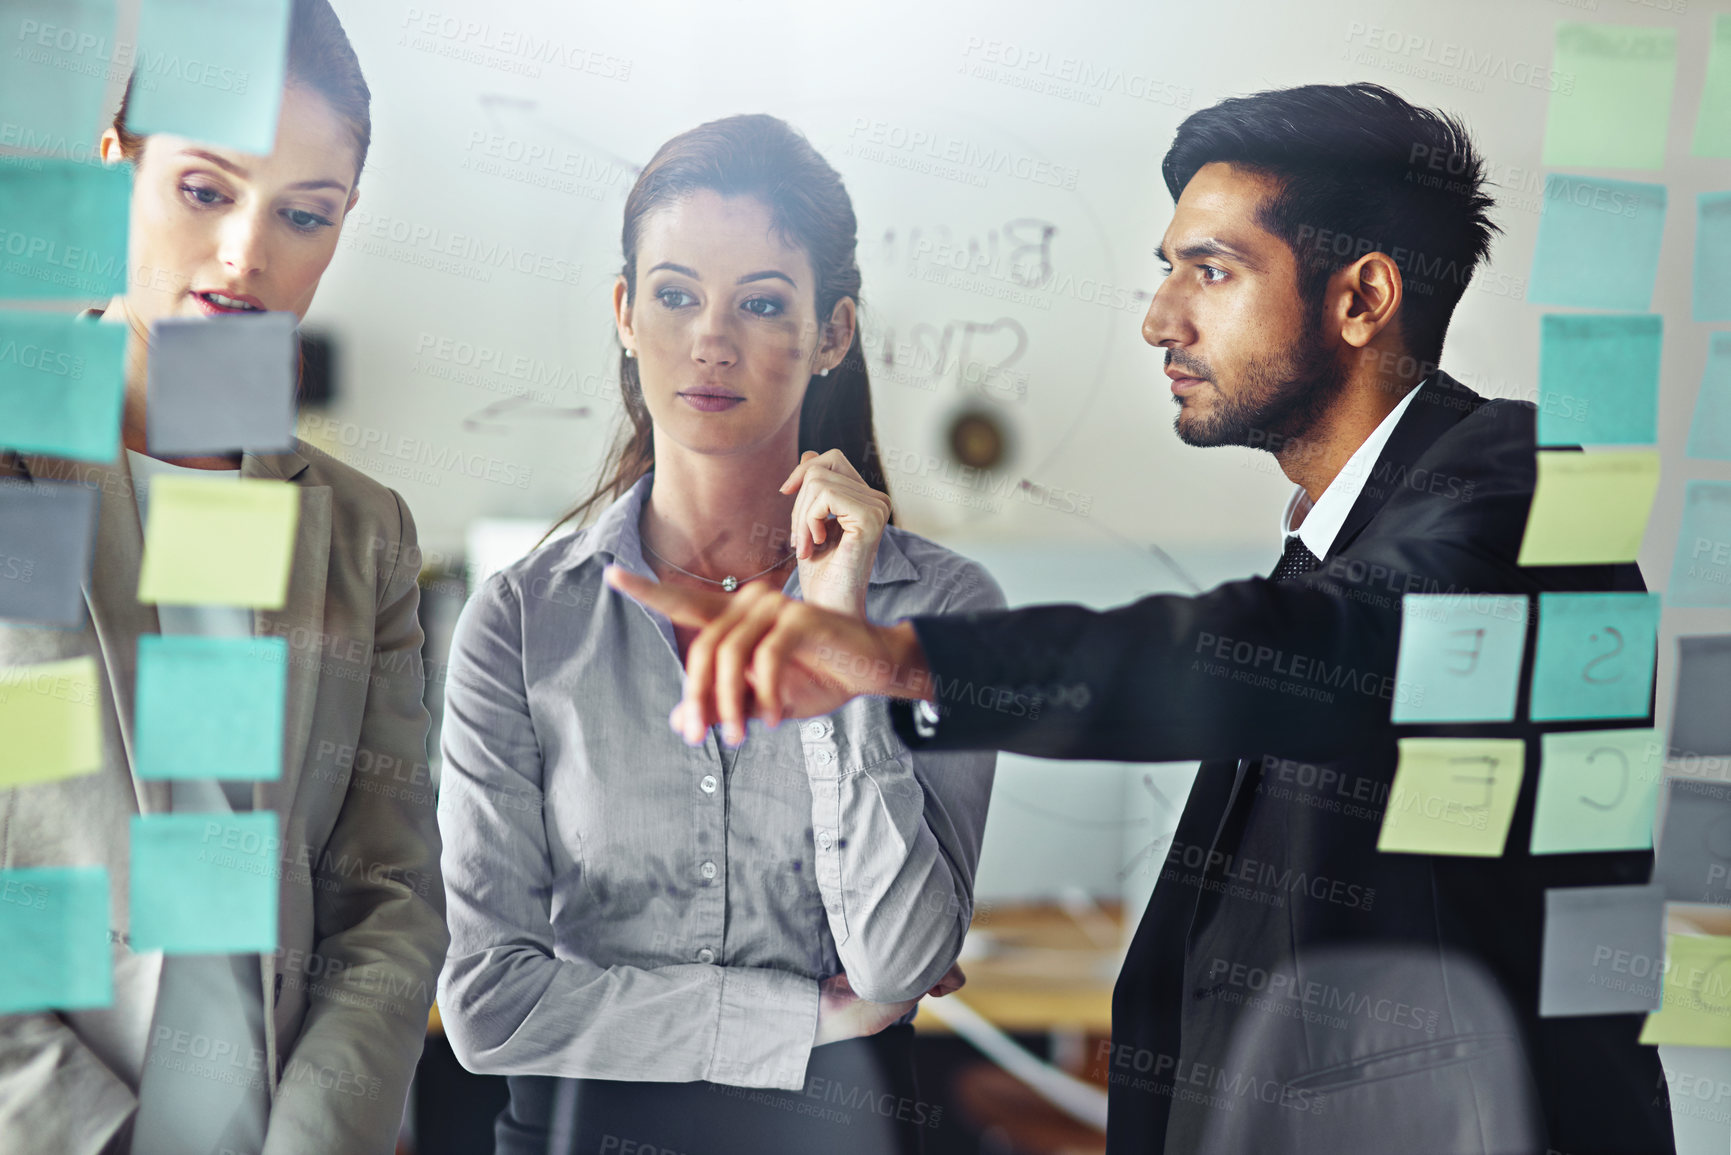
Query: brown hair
x,y
764,158
320,58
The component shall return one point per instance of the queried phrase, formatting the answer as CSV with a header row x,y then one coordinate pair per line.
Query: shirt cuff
x,y
768,1022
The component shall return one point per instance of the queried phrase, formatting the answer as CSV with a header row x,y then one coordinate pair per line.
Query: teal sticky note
x,y
1598,243
1710,428
1598,790
204,883
63,230
62,384
1612,105
1713,257
54,922
1460,657
1594,655
213,70
1701,571
1599,379
1713,126
179,735
59,56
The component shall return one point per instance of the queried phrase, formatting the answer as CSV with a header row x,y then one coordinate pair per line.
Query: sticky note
x,y
222,384
47,531
180,736
221,541
216,70
1598,243
49,728
1460,657
54,922
1603,952
59,56
1700,723
1695,1003
1590,508
1594,656
62,384
204,883
1694,860
1599,380
1701,571
1598,790
1713,257
1713,125
63,235
1710,428
1453,796
1612,105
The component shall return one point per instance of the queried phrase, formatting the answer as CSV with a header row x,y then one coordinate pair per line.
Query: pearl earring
x,y
823,372
631,353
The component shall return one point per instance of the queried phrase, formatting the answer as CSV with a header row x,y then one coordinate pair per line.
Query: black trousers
x,y
859,1098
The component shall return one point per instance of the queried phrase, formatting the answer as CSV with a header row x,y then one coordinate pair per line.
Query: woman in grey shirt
x,y
711,947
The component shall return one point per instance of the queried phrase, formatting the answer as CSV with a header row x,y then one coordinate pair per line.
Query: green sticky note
x,y
219,541
49,727
54,922
180,736
1598,244
1598,790
1710,428
1713,257
1695,1001
212,70
1590,508
1713,126
204,883
1612,105
63,230
62,382
1701,571
1460,657
1594,655
1453,796
1599,380
60,55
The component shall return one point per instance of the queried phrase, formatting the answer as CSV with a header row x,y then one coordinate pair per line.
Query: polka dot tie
x,y
1296,561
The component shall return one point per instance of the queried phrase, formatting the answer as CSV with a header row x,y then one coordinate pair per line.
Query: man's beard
x,y
1278,403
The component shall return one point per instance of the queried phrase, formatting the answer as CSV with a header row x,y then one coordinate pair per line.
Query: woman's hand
x,y
835,566
841,1014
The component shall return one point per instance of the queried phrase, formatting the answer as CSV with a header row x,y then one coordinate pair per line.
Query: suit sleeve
x,y
56,1096
381,930
1306,666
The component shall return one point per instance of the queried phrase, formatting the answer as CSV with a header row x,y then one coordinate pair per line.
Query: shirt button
x,y
707,870
708,784
705,955
824,840
824,757
817,729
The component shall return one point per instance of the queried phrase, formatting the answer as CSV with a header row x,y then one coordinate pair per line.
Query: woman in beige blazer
x,y
331,1024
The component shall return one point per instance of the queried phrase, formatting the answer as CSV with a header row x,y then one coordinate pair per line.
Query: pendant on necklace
x,y
729,583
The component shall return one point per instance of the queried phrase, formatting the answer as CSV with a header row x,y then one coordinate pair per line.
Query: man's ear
x,y
1371,291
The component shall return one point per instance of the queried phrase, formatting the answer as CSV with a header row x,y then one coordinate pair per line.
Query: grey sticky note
x,y
46,534
1604,950
1694,862
1700,723
222,384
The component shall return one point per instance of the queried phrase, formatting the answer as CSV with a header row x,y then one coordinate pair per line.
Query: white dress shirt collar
x,y
1323,521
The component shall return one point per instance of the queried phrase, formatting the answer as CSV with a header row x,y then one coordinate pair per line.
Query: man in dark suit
x,y
1290,988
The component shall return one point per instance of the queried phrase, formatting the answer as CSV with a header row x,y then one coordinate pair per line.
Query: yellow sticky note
x,y
48,724
1695,1002
220,542
1590,508
1453,796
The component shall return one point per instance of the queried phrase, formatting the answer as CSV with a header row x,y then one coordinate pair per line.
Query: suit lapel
x,y
300,620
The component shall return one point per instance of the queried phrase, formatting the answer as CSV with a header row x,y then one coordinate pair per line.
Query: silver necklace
x,y
728,583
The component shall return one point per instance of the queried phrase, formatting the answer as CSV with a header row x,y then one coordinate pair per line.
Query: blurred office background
x,y
1003,157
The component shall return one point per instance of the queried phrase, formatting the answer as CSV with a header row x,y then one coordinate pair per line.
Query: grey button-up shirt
x,y
623,906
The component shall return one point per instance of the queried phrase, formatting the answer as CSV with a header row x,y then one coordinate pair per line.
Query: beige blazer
x,y
361,931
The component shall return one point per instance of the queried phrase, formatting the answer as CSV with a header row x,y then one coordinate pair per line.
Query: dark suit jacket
x,y
1291,988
